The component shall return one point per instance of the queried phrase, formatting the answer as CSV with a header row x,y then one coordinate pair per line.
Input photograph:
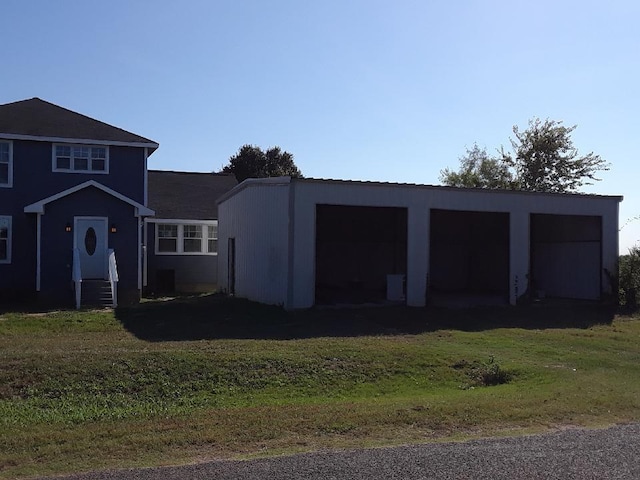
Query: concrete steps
x,y
96,293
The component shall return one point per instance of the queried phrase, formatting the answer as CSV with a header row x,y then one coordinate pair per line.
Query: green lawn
x,y
200,378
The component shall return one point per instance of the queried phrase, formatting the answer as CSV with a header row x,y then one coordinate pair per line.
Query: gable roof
x,y
38,207
187,195
35,119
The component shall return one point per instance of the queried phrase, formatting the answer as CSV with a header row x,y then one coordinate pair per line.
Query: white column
x,y
610,251
417,255
519,239
139,223
38,244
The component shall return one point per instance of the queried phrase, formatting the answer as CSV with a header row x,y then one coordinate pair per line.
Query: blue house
x,y
73,199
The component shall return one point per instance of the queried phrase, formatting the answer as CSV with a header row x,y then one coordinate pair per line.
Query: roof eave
x,y
153,146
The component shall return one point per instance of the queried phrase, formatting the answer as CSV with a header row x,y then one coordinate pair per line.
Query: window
x,y
193,238
80,159
212,238
99,159
5,239
167,238
6,164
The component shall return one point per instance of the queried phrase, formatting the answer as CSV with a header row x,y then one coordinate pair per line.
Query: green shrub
x,y
483,374
629,278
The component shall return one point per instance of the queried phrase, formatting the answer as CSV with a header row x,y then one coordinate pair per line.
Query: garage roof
x,y
287,180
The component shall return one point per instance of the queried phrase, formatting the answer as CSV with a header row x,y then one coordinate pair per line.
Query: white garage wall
x,y
267,215
256,215
419,200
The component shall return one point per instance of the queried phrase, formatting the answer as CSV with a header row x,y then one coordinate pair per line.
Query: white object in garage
x,y
395,287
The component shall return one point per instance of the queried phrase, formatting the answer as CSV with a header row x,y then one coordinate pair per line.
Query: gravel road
x,y
612,453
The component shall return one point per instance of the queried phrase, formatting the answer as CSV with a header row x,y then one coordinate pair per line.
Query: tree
x,y
629,278
543,160
253,162
478,170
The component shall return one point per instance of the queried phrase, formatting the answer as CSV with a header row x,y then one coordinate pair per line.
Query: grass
x,y
199,378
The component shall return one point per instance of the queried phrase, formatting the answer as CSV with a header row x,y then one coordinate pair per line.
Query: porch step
x,y
96,293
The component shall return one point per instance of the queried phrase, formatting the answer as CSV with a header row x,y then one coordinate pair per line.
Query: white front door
x,y
91,240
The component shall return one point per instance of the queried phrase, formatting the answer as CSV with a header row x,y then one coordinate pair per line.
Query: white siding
x,y
420,200
257,214
257,217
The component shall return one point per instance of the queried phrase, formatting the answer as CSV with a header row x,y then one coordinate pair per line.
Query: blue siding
x,y
57,245
34,180
18,279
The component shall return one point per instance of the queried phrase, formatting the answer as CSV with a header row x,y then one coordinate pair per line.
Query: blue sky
x,y
355,89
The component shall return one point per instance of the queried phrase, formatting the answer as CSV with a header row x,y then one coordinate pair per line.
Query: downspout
x,y
142,265
146,178
38,243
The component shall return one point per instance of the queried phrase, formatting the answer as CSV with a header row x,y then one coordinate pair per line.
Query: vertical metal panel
x,y
257,217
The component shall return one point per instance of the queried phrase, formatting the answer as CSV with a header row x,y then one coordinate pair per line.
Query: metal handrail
x,y
113,277
76,276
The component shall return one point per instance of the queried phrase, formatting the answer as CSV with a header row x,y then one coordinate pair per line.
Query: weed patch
x,y
483,374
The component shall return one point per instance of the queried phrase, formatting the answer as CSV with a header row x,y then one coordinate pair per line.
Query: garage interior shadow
x,y
220,317
357,249
469,255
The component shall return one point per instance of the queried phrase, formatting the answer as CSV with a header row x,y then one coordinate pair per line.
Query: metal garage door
x,y
566,256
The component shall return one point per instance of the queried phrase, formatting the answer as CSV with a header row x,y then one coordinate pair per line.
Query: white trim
x,y
180,237
182,220
269,181
38,207
38,249
146,177
71,169
139,223
9,184
145,265
9,236
38,138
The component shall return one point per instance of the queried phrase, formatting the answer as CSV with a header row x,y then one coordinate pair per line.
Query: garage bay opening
x,y
361,254
469,258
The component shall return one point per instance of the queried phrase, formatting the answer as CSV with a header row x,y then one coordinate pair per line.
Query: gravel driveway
x,y
612,453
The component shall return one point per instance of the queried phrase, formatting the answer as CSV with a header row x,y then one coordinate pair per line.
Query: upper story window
x,y
5,239
194,238
80,158
6,163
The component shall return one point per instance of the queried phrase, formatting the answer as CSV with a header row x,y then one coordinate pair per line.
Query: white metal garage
x,y
300,242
